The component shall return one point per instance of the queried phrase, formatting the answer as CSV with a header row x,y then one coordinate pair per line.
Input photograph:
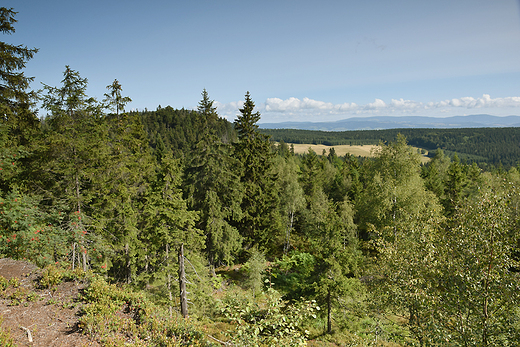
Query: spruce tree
x,y
16,100
114,100
18,122
331,237
167,224
455,180
71,154
261,222
121,183
213,188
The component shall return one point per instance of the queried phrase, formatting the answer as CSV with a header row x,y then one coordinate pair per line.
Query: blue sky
x,y
300,60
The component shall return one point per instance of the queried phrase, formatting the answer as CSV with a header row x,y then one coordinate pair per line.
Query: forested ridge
x,y
278,249
488,147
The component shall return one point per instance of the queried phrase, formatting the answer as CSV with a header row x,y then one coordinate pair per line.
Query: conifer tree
x,y
18,122
453,186
114,100
335,247
70,158
167,225
261,223
214,189
434,173
120,186
16,100
331,235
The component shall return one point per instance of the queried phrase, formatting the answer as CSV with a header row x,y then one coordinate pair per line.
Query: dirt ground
x,y
49,317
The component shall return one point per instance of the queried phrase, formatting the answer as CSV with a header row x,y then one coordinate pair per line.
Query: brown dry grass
x,y
342,150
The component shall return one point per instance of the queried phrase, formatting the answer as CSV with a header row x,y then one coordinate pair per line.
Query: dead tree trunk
x,y
182,284
169,281
73,255
329,313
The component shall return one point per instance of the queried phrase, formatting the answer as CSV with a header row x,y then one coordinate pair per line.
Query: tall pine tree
x,y
214,189
18,121
261,222
71,154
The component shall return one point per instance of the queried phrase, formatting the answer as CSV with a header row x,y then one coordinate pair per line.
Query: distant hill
x,y
388,122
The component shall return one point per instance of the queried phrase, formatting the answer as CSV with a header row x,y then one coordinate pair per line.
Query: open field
x,y
342,150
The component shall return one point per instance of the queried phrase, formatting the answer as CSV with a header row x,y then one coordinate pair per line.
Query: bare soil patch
x,y
50,316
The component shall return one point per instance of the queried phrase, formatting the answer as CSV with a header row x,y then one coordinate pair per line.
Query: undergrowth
x,y
117,316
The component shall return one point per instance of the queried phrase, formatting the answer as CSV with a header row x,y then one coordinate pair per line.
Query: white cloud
x,y
483,102
275,109
406,104
228,110
378,104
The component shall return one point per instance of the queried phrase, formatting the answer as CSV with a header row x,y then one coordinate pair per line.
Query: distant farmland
x,y
341,150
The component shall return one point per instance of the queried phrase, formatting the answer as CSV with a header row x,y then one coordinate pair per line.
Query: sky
x,y
300,60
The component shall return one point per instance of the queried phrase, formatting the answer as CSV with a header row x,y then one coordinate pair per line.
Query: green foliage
x,y
117,316
4,283
260,224
114,100
168,223
394,191
178,131
154,180
6,339
16,100
254,269
291,195
292,274
51,276
27,232
478,283
212,187
488,147
435,174
14,281
271,322
456,283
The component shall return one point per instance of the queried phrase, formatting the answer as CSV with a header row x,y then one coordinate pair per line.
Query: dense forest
x,y
488,147
278,249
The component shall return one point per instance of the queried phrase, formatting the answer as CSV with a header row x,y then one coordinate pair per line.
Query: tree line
x,y
388,249
490,148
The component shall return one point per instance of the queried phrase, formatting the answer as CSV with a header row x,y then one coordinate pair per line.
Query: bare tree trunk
x,y
73,255
182,284
288,234
169,281
128,267
329,313
84,255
